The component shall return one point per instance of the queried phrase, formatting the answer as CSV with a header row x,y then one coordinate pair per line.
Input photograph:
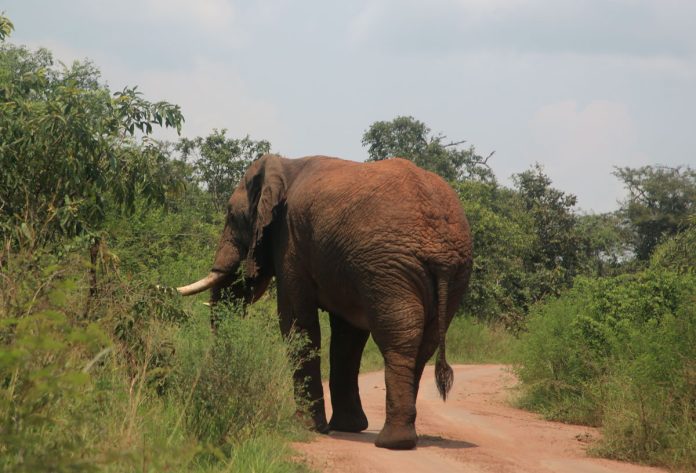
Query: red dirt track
x,y
474,431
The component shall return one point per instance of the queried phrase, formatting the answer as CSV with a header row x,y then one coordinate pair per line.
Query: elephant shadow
x,y
424,441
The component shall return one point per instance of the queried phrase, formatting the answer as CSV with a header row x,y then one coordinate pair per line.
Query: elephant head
x,y
243,261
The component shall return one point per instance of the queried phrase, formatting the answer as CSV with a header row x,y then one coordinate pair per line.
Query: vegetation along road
x,y
476,430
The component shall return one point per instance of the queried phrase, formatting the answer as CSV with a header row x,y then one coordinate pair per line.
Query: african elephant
x,y
383,247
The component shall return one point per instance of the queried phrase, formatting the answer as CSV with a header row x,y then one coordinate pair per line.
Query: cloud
x,y
206,14
579,147
211,94
214,95
564,26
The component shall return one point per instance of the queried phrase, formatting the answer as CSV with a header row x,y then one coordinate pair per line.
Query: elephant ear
x,y
265,186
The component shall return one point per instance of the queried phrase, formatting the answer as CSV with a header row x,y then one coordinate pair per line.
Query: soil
x,y
476,430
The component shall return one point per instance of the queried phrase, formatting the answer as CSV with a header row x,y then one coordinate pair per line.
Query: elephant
x,y
384,247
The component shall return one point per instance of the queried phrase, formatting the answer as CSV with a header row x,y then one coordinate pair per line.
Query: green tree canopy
x,y
660,201
499,289
220,162
68,146
606,244
555,253
408,138
6,27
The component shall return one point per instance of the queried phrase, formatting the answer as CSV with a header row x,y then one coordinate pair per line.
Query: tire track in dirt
x,y
474,431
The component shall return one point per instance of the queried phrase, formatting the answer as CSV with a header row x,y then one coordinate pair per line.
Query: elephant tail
x,y
444,375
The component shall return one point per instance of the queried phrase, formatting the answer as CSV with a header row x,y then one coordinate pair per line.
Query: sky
x,y
579,86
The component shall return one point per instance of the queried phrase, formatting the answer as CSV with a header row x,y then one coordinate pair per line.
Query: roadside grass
x,y
139,384
472,341
619,353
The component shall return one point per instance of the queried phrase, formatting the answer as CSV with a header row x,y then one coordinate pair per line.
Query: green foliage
x,y
67,147
45,363
554,256
650,402
406,137
6,27
239,382
146,384
220,162
499,291
619,352
166,247
605,242
470,340
527,245
660,201
677,253
264,454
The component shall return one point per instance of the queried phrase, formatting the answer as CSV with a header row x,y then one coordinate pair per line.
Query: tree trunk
x,y
93,258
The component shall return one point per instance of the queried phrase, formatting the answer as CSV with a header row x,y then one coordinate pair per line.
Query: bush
x,y
45,364
621,353
650,402
238,383
142,384
677,253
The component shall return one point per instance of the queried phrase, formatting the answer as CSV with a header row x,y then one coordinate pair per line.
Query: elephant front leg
x,y
347,344
307,377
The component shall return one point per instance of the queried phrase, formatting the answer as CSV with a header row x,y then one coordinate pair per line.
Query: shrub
x,y
238,383
621,353
45,364
677,253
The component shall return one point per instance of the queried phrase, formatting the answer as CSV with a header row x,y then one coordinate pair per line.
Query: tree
x,y
411,139
67,146
220,162
6,27
499,289
677,253
606,246
660,201
555,253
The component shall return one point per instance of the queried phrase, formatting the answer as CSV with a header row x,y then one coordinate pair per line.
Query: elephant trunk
x,y
208,282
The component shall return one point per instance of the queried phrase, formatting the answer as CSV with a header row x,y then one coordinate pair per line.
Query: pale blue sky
x,y
578,86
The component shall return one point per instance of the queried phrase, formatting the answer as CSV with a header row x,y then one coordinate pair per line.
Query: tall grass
x,y
473,341
238,382
139,385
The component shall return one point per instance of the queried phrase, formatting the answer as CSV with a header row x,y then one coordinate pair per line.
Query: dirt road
x,y
474,431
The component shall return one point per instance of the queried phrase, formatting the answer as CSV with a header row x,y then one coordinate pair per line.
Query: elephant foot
x,y
316,424
348,421
397,437
322,428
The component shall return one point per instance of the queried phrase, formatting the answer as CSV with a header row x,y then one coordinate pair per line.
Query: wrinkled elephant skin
x,y
383,247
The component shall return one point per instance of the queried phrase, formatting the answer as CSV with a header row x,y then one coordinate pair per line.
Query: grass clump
x,y
238,382
473,341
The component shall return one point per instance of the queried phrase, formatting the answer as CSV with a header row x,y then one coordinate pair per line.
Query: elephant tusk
x,y
203,285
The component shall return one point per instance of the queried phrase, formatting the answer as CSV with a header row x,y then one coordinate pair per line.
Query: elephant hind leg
x,y
427,349
400,344
399,431
347,344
